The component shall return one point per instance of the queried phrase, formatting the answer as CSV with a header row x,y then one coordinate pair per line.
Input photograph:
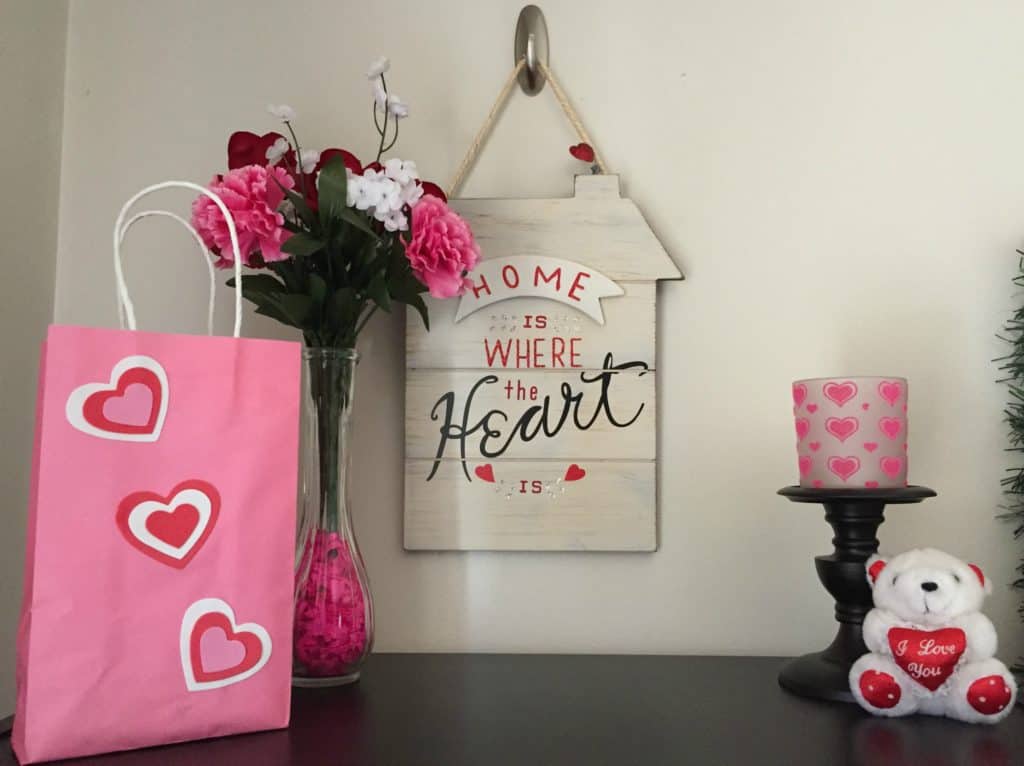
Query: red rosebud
x,y
245,148
434,190
583,152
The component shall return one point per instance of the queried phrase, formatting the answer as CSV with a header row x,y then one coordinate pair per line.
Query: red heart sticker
x,y
130,407
215,651
485,472
170,529
927,656
574,473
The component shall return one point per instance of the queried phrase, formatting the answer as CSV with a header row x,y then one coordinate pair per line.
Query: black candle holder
x,y
855,516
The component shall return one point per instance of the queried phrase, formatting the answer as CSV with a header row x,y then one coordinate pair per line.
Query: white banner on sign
x,y
537,276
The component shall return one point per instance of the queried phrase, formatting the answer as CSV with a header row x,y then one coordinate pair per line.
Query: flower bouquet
x,y
332,241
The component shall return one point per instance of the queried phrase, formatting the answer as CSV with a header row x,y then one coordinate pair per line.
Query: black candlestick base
x,y
855,516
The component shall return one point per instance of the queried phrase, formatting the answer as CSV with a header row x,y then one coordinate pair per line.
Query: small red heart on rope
x,y
581,151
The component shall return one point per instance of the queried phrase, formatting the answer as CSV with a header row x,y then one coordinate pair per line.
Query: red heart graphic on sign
x,y
485,472
574,473
170,529
927,656
215,651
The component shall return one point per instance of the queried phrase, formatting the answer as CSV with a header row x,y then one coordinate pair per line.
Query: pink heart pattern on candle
x,y
842,428
840,393
890,390
799,394
854,435
891,466
844,467
891,427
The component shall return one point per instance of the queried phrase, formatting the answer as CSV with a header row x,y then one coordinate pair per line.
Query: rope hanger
x,y
563,101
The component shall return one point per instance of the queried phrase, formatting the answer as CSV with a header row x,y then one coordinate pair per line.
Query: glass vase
x,y
333,628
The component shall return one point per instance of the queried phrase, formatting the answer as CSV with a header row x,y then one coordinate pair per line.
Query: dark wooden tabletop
x,y
529,710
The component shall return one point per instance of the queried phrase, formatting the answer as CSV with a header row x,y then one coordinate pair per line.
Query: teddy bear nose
x,y
929,586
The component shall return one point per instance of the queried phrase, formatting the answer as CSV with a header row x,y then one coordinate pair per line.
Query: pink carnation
x,y
442,249
253,197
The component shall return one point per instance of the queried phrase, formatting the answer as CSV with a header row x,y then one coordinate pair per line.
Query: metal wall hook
x,y
531,43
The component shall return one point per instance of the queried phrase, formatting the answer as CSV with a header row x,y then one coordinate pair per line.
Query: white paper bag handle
x,y
125,307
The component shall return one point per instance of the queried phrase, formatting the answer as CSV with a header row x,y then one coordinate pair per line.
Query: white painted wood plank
x,y
611,508
600,229
479,402
628,332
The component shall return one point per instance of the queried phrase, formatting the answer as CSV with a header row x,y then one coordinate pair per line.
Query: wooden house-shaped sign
x,y
531,404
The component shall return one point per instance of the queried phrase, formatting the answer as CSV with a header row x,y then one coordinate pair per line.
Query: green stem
x,y
298,159
362,323
380,148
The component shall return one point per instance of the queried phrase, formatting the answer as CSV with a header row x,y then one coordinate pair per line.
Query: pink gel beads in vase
x,y
330,632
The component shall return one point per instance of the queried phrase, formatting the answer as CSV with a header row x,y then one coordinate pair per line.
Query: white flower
x,y
396,221
411,194
378,67
308,159
403,171
397,107
277,150
283,112
380,96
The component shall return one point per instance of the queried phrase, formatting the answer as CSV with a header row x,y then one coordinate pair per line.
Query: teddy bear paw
x,y
879,689
989,695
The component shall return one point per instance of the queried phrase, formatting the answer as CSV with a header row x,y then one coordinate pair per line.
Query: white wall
x,y
840,182
32,39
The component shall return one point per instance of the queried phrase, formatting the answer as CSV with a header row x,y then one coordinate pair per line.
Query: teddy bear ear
x,y
874,566
985,584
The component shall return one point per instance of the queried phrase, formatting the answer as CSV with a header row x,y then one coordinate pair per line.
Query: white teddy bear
x,y
931,649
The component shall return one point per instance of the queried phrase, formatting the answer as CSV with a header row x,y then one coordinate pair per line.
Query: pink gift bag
x,y
158,582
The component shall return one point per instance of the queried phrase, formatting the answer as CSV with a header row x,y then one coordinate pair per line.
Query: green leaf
x,y
378,291
259,284
417,303
342,310
332,187
275,313
302,244
305,213
295,307
357,219
317,293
